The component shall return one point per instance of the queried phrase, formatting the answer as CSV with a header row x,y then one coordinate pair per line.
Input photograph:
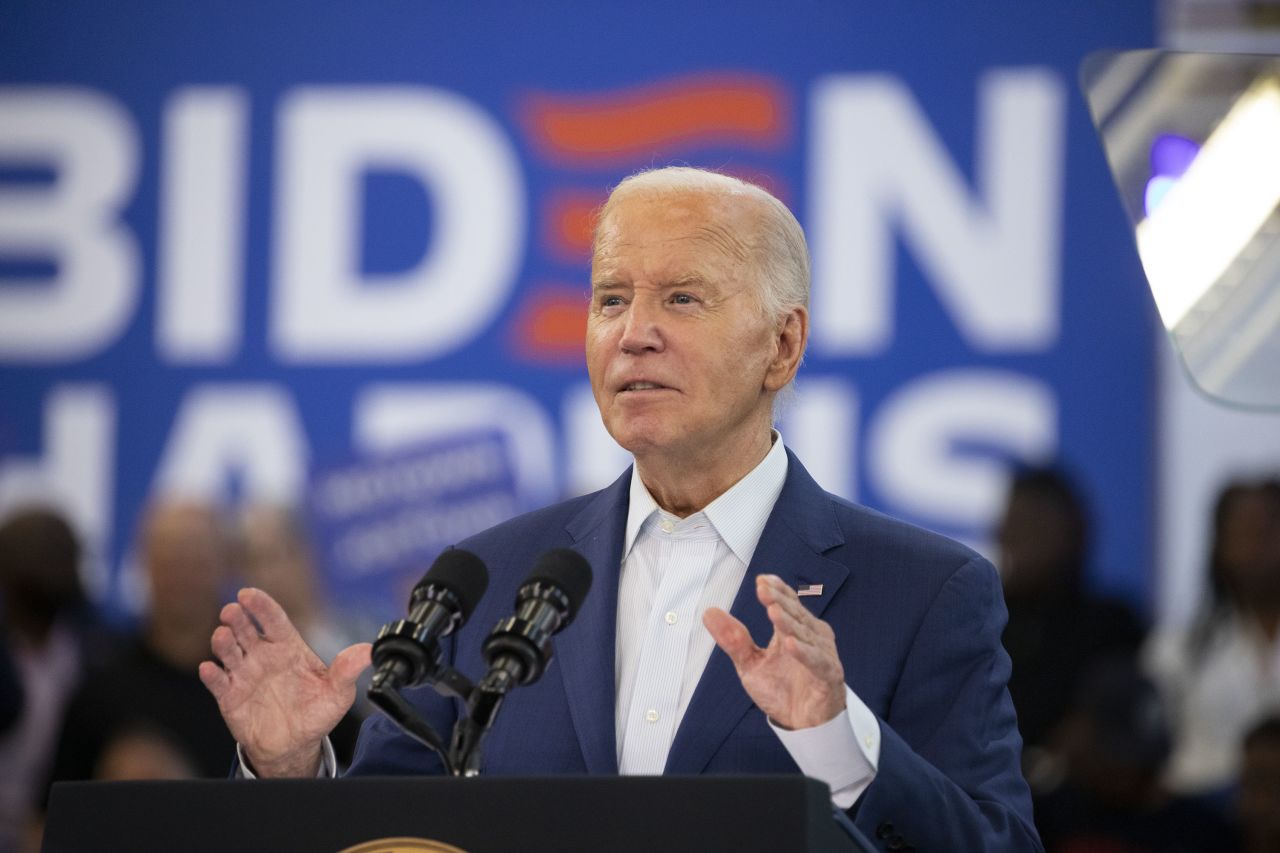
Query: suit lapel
x,y
586,649
801,528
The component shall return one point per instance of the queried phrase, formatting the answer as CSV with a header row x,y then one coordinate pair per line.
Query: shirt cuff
x,y
844,752
328,763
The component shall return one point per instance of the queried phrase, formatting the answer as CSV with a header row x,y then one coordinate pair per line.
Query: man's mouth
x,y
641,386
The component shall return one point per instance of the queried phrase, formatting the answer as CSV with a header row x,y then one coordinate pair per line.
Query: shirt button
x,y
671,617
868,741
667,526
651,716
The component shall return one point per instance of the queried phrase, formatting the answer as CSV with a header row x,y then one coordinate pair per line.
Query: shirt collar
x,y
738,515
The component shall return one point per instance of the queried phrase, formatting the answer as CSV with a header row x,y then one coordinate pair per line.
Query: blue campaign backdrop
x,y
240,242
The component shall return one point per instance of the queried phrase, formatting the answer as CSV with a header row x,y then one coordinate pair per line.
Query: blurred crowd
x,y
79,700
1138,741
1135,741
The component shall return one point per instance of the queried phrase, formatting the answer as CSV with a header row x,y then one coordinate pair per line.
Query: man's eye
x,y
683,299
610,301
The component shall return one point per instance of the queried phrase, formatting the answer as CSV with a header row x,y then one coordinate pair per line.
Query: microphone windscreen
x,y
462,573
567,570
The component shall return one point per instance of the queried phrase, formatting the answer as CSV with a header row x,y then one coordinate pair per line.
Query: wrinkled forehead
x,y
723,226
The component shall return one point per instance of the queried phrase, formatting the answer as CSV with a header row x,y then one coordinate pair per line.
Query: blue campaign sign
x,y
381,520
239,237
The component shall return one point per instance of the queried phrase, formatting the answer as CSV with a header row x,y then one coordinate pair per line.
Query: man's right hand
x,y
277,696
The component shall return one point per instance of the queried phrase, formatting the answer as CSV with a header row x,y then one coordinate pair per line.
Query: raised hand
x,y
276,695
797,680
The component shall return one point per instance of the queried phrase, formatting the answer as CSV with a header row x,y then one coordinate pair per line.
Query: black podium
x,y
705,814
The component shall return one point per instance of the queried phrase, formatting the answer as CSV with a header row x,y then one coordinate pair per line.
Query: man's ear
x,y
791,337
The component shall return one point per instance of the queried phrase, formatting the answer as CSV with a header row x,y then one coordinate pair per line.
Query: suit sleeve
x,y
949,775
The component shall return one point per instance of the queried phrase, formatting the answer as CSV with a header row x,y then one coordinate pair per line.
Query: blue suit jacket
x,y
917,620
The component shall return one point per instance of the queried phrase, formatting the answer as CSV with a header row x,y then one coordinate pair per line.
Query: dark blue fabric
x,y
917,620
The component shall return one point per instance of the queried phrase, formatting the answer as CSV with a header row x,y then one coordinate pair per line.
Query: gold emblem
x,y
403,845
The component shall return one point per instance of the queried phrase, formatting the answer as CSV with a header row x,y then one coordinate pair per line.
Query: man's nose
x,y
642,326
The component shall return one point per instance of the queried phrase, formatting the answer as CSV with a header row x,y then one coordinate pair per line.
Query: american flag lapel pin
x,y
809,589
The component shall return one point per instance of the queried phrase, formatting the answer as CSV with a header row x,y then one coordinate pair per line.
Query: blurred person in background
x,y
275,555
1110,750
43,629
1222,674
142,752
137,751
152,682
1258,801
1056,627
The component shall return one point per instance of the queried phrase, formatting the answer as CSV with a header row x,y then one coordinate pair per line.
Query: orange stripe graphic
x,y
738,110
568,221
551,326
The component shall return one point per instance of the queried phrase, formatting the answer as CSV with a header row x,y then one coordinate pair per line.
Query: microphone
x,y
519,648
407,651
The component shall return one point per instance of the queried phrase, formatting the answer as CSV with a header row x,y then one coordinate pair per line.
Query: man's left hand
x,y
797,680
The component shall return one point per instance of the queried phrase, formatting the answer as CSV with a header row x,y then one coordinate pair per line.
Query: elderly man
x,y
854,648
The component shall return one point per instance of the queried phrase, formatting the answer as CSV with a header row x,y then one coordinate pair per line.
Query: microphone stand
x,y
402,714
414,660
482,709
482,701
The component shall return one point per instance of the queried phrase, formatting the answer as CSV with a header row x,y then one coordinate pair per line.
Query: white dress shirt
x,y
673,569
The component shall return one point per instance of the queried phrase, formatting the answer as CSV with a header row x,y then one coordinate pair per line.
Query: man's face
x,y
682,362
